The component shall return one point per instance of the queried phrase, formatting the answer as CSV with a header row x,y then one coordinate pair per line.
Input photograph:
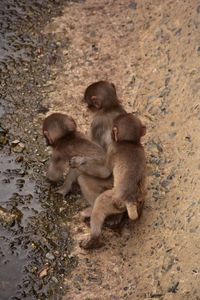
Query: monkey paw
x,y
91,243
114,221
77,161
62,191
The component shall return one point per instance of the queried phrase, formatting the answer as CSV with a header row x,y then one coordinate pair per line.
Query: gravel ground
x,y
151,51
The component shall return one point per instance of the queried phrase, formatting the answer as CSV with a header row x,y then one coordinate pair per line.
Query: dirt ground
x,y
151,51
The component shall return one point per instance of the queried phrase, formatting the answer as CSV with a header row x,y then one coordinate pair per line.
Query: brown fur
x,y
101,98
68,144
126,159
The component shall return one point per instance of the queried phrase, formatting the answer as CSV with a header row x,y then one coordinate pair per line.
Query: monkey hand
x,y
77,161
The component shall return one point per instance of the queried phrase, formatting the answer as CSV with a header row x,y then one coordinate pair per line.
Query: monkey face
x,y
93,103
56,169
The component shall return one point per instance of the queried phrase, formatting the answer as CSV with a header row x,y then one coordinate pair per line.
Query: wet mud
x,y
35,241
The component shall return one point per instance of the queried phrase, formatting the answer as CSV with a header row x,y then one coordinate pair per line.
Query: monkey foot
x,y
86,213
62,191
114,221
91,243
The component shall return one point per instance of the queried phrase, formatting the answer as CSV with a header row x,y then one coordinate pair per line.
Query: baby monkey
x,y
126,159
101,98
67,143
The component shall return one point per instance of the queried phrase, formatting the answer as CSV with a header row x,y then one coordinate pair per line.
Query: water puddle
x,y
35,249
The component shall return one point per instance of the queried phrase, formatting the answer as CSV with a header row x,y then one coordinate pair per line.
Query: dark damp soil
x,y
35,249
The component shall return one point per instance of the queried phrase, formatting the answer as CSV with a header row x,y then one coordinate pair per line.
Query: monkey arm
x,y
69,180
90,166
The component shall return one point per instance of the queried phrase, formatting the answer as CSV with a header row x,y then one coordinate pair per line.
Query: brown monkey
x,y
60,133
126,158
101,98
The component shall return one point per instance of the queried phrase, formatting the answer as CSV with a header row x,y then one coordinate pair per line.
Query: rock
x,y
50,256
15,143
7,217
54,279
174,288
165,183
133,5
19,158
44,272
3,140
18,147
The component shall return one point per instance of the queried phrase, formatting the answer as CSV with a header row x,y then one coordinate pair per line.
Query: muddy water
x,y
35,251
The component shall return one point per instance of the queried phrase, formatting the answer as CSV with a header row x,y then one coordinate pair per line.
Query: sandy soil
x,y
151,51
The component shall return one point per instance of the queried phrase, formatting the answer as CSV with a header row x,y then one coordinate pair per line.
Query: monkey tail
x,y
132,210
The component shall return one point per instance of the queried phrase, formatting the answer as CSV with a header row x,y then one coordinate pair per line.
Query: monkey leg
x,y
91,188
69,180
103,207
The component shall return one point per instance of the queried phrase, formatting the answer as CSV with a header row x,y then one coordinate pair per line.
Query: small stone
x,y
133,5
44,272
19,158
7,217
50,256
198,9
188,138
3,140
165,183
54,279
19,147
15,142
174,288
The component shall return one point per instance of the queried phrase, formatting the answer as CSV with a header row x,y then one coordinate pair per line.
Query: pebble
x,y
50,256
174,287
19,147
19,158
54,279
133,5
15,142
165,183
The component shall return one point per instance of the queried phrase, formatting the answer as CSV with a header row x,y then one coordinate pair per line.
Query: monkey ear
x,y
96,102
115,134
70,124
47,135
143,130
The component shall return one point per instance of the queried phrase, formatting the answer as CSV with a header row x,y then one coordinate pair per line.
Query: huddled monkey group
x,y
109,166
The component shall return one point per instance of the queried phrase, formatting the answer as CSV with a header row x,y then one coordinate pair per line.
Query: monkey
x,y
60,132
101,98
126,159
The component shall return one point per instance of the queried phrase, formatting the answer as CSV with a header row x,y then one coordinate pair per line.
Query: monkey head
x,y
127,127
100,95
56,126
